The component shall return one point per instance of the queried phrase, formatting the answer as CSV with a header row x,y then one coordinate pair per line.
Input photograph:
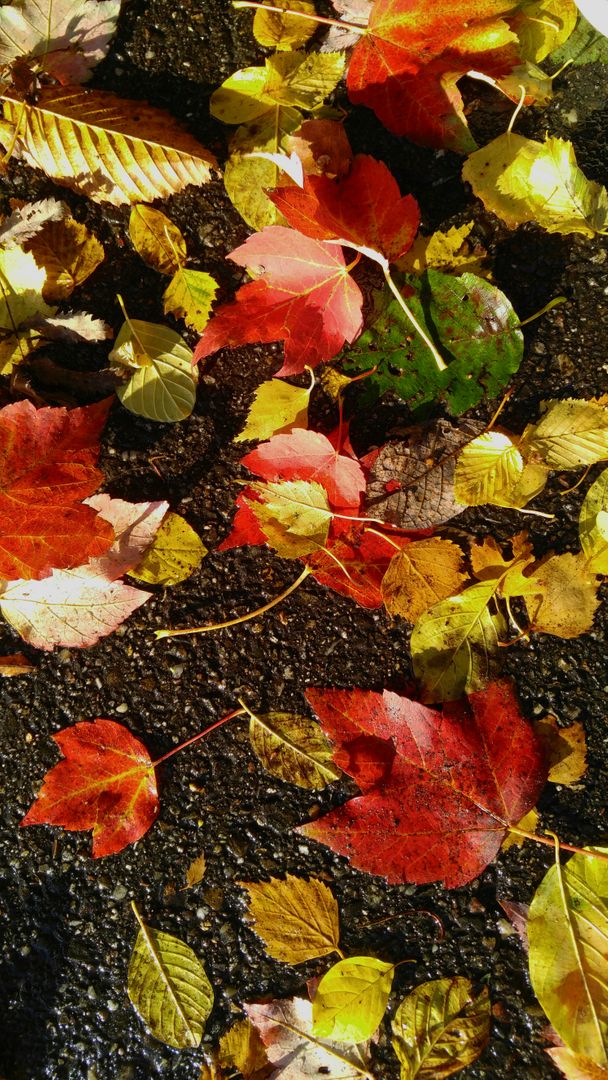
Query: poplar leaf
x,y
488,470
277,408
542,26
351,999
169,988
294,515
68,253
189,296
571,433
420,575
593,525
567,931
293,748
175,553
159,242
163,382
440,1028
296,919
277,31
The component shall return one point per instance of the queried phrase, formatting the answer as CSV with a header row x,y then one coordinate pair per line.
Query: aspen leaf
x,y
285,1027
593,525
440,1028
567,931
295,79
189,296
294,515
561,596
488,470
159,242
242,1048
565,750
576,1066
420,575
277,408
351,999
445,251
169,988
163,382
196,871
175,552
293,748
21,297
296,919
277,31
542,26
570,434
68,253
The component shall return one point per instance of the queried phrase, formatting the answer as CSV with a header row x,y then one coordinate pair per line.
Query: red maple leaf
x,y
365,209
303,295
363,554
438,800
309,455
405,67
105,782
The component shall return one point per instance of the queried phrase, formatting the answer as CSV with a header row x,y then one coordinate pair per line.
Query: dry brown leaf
x,y
196,870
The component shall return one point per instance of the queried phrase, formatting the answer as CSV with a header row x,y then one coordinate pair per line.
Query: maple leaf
x,y
65,39
365,210
106,783
303,295
309,455
457,779
355,563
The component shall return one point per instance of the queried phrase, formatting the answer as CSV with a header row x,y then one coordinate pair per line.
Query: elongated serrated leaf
x,y
189,296
567,931
488,470
175,553
440,1028
571,433
163,383
103,146
421,574
351,999
277,408
169,988
293,748
593,525
296,919
157,239
454,644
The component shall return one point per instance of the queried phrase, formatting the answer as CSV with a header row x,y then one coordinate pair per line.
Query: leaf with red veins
x,y
105,782
303,295
365,556
459,778
365,210
309,455
34,542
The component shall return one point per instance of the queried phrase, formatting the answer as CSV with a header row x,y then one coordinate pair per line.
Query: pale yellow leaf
x,y
561,596
487,470
420,575
68,253
593,525
175,553
294,748
162,385
277,31
565,750
440,1028
294,516
571,433
21,285
576,1066
296,919
277,407
159,242
351,999
189,296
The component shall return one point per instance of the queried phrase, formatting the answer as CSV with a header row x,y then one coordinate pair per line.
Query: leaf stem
x,y
543,311
358,28
201,735
551,843
240,619
412,318
324,1046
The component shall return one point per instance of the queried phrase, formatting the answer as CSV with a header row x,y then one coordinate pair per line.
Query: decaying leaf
x,y
565,750
351,999
593,525
322,147
293,748
277,408
285,1027
159,242
576,1066
175,552
296,919
420,575
446,251
162,385
440,1028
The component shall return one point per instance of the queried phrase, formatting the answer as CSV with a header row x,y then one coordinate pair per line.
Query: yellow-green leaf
x,y
294,516
565,749
106,147
543,25
488,469
529,823
440,1028
593,525
351,999
571,433
294,748
446,251
298,79
68,253
568,931
420,575
21,285
296,919
175,553
163,383
169,988
189,296
277,407
454,644
159,242
277,31
247,177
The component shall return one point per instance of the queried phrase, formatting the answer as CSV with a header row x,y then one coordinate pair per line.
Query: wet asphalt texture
x,y
67,926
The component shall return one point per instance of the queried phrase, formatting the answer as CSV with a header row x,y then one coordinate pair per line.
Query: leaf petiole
x,y
201,735
412,318
551,843
357,28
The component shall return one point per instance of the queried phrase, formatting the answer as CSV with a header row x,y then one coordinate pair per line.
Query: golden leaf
x,y
162,385
242,1048
294,748
277,31
576,1066
296,919
543,25
565,750
561,596
529,823
277,407
446,251
21,285
196,870
294,516
420,575
440,1028
159,242
68,253
593,525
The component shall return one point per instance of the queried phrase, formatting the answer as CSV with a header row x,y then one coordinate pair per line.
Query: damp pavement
x,y
66,922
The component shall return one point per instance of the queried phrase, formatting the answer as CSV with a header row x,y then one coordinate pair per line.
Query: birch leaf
x,y
488,470
561,596
277,408
106,147
159,242
276,31
169,988
247,177
440,1028
296,919
189,296
68,253
421,574
593,525
567,931
163,384
571,433
294,516
174,554
351,999
293,748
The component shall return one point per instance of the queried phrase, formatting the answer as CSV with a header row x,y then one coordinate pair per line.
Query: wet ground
x,y
66,919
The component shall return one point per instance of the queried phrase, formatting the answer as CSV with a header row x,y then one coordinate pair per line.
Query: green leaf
x,y
475,327
163,383
568,931
584,46
168,987
293,748
296,919
440,1028
189,296
593,525
542,26
175,553
351,999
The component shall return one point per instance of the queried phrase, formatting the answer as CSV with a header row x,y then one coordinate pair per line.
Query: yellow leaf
x,y
163,384
561,596
440,1028
351,999
16,664
189,296
298,79
295,516
567,931
196,871
576,1066
68,253
487,470
529,823
593,525
277,407
542,26
277,31
420,575
570,434
296,919
158,241
242,1048
294,748
445,251
21,285
565,750
247,177
488,561
175,553
106,147
522,180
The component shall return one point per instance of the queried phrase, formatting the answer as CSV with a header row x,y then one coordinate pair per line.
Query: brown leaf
x,y
420,575
196,871
15,664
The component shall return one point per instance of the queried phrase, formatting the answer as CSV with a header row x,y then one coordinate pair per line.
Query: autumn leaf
x,y
249,175
277,408
355,562
449,252
565,750
593,525
491,469
162,383
157,239
294,79
33,542
449,785
281,32
174,554
322,147
420,575
21,299
16,664
189,296
584,46
576,1066
60,37
561,596
68,253
26,221
104,782
242,1048
542,26
296,919
285,1027
571,433
351,999
440,1028
293,748
309,455
303,295
294,516
196,871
